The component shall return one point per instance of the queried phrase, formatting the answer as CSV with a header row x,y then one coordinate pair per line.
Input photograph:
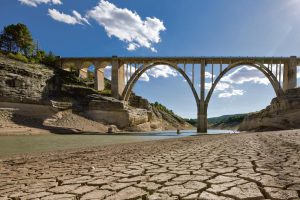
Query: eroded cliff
x,y
283,113
26,91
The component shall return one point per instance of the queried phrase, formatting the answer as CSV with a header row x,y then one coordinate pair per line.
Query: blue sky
x,y
170,28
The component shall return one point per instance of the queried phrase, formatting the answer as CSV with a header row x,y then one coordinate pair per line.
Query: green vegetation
x,y
225,119
162,108
191,121
18,57
105,92
16,38
17,43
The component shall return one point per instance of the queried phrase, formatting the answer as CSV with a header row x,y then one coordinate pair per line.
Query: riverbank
x,y
229,166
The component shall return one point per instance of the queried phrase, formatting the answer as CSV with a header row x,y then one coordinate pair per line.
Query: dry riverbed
x,y
237,166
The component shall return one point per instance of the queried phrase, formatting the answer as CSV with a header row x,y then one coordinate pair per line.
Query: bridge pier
x,y
117,78
202,106
202,118
290,74
83,73
99,79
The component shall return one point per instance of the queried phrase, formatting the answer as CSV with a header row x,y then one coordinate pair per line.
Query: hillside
x,y
231,122
226,121
282,114
28,90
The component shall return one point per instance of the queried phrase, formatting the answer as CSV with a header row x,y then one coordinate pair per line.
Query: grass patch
x,y
18,57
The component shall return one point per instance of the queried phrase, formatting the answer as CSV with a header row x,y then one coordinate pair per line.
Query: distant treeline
x,y
226,119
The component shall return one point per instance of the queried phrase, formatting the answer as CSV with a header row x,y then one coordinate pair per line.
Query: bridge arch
x,y
259,66
139,72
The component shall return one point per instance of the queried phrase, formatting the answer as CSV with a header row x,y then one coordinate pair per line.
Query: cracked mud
x,y
212,167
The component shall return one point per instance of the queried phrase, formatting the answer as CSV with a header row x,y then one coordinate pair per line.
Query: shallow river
x,y
44,143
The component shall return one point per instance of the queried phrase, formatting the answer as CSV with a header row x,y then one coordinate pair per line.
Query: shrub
x,y
49,59
105,92
18,57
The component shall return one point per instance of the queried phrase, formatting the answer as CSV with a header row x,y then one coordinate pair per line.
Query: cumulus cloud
x,y
221,86
226,87
127,25
233,92
246,74
158,71
224,90
144,77
76,18
162,71
35,3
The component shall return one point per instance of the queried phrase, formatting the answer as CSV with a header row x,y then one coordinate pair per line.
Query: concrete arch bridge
x,y
125,71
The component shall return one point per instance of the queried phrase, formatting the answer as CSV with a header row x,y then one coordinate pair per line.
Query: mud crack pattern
x,y
250,166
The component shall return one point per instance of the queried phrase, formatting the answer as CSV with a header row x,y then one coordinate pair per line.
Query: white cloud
x,y
162,71
35,3
231,93
158,71
68,19
79,18
143,77
208,75
132,47
221,86
246,74
127,25
224,90
107,72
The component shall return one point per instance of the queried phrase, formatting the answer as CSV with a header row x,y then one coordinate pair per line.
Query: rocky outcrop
x,y
20,82
137,116
282,114
38,84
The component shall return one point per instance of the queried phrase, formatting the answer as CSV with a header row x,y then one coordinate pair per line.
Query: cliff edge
x,y
282,114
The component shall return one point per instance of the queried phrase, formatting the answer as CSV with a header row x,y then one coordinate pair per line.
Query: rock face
x,y
283,113
137,116
37,84
20,82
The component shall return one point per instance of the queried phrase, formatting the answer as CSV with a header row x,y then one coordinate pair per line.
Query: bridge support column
x,y
202,107
83,73
202,118
99,79
117,78
290,74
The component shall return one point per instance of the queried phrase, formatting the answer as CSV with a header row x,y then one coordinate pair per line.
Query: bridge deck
x,y
209,60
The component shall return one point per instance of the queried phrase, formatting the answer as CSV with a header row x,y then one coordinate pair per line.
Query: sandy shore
x,y
32,121
236,166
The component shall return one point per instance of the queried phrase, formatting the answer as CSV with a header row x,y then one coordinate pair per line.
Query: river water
x,y
44,143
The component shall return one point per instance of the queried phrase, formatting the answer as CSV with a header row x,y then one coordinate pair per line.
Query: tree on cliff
x,y
16,38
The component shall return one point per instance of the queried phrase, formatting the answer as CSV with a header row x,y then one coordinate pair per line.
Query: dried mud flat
x,y
240,166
